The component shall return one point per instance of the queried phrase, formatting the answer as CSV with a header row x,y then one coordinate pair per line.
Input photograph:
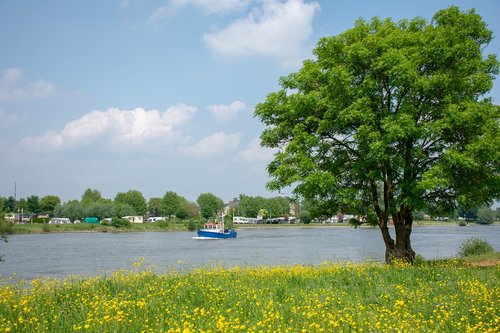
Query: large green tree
x,y
91,196
251,206
134,199
74,210
154,206
170,204
33,204
210,205
394,114
48,203
9,205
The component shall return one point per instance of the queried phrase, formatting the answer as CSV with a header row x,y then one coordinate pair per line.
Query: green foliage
x,y
9,205
40,219
91,196
390,116
249,206
6,228
154,207
192,225
419,260
170,204
134,199
120,223
209,205
33,204
101,209
74,210
188,210
48,204
122,209
419,215
165,224
485,215
474,247
305,217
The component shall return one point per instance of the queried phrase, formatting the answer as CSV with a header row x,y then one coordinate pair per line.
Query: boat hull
x,y
216,234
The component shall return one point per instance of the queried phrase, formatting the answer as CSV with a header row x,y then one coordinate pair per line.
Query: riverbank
x,y
168,226
446,295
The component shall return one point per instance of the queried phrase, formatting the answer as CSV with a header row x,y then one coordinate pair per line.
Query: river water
x,y
58,255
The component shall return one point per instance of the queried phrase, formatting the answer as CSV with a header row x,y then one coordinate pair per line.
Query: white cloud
x,y
212,145
208,6
278,31
115,128
223,113
255,153
13,88
7,119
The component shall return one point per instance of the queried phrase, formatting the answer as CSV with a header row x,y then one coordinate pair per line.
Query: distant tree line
x,y
207,206
132,202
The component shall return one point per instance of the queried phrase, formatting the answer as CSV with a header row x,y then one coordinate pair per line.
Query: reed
x,y
447,296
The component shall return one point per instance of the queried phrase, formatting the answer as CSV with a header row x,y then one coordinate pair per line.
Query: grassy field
x,y
444,296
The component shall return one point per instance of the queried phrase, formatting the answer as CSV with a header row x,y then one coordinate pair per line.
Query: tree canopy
x,y
210,205
390,117
48,203
134,199
91,196
249,206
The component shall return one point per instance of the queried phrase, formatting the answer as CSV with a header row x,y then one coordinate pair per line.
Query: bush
x,y
120,223
474,247
6,228
192,225
485,215
163,224
419,260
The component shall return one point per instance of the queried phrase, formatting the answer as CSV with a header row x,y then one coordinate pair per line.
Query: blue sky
x,y
159,95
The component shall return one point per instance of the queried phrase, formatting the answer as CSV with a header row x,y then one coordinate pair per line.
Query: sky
x,y
159,95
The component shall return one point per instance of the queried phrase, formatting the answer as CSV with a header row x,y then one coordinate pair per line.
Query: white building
x,y
134,219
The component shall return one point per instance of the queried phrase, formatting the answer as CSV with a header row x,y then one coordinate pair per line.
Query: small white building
x,y
134,219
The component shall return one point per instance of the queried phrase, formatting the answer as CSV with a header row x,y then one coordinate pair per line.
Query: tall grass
x,y
445,297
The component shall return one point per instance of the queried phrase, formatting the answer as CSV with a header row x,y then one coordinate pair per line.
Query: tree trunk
x,y
390,249
401,250
403,221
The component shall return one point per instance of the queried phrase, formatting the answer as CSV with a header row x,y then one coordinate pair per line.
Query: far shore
x,y
35,228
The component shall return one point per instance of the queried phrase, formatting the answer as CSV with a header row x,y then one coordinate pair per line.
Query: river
x,y
58,255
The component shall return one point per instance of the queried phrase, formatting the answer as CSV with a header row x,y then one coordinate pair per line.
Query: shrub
x,y
6,228
192,226
419,260
485,215
474,246
120,223
163,224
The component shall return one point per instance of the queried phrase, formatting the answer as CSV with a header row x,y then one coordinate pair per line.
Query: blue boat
x,y
215,231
